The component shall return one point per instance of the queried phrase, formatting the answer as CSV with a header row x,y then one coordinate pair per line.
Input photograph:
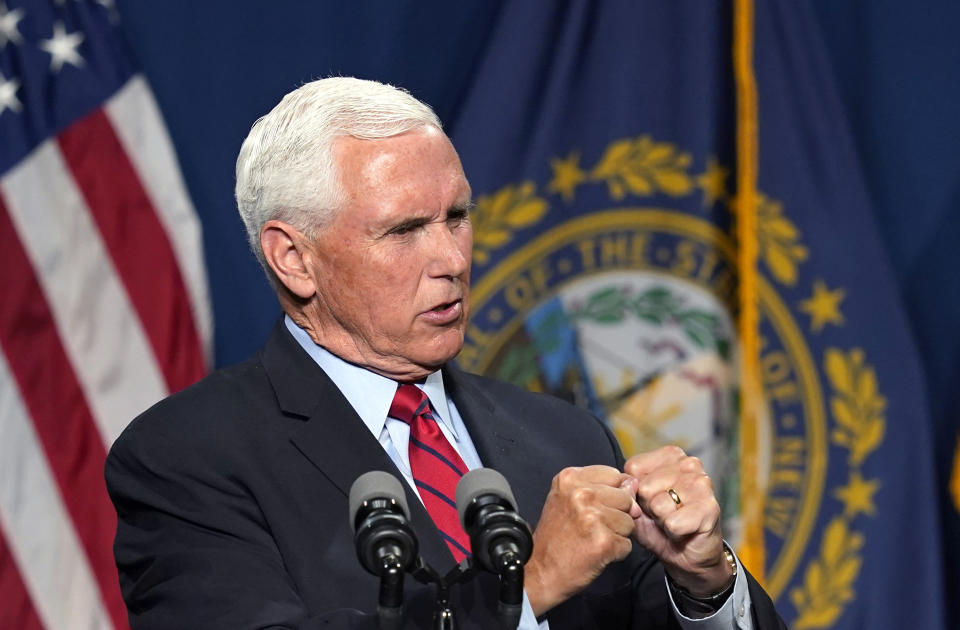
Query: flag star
x,y
8,25
566,176
857,496
823,306
63,48
713,183
8,95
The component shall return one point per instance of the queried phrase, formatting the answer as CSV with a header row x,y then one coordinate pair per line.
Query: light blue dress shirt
x,y
371,395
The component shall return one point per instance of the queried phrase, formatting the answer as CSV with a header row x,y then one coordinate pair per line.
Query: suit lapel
x,y
500,438
333,437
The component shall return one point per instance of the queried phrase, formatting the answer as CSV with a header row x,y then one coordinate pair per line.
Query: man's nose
x,y
449,254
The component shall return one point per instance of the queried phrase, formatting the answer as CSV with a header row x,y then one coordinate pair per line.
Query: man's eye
x,y
458,216
405,228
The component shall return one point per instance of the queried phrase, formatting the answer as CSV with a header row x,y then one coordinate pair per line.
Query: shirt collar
x,y
369,393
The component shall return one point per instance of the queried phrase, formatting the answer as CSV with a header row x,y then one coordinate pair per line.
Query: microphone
x,y
499,538
386,545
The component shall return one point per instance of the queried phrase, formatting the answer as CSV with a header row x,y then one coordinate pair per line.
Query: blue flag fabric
x,y
880,489
599,140
904,99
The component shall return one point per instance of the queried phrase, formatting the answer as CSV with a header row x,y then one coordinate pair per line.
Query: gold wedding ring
x,y
676,497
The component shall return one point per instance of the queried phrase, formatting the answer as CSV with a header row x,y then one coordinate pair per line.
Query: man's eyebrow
x,y
458,210
465,207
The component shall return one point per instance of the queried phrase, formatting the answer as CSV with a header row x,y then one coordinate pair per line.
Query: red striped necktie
x,y
435,465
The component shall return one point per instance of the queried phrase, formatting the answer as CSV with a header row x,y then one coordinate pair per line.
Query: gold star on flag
x,y
566,175
713,183
823,306
857,496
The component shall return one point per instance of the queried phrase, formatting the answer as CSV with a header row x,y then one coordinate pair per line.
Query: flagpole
x,y
751,549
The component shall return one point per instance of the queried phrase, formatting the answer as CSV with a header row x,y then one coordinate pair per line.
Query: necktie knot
x,y
408,403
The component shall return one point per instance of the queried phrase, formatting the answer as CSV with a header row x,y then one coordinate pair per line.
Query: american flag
x,y
103,299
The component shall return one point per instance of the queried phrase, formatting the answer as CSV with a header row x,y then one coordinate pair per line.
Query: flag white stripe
x,y
139,126
100,331
36,525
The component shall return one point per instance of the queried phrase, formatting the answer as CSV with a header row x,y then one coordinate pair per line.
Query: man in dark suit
x,y
231,495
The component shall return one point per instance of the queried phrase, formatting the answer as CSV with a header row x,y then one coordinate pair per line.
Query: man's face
x,y
392,269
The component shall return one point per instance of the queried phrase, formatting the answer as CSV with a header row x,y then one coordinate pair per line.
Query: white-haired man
x,y
231,495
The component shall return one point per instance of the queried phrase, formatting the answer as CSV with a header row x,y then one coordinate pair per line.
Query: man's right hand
x,y
586,523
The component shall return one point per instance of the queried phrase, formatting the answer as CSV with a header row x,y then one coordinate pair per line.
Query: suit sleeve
x,y
193,549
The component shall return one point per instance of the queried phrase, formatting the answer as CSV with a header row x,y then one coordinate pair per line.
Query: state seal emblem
x,y
626,310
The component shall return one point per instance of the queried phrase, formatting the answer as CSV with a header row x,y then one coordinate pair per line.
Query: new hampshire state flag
x,y
672,231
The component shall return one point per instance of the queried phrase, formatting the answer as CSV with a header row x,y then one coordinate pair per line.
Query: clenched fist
x,y
679,519
587,523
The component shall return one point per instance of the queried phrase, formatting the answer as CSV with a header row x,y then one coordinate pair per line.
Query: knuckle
x,y
665,506
647,488
674,450
589,520
566,477
691,464
703,484
676,524
582,496
607,542
654,508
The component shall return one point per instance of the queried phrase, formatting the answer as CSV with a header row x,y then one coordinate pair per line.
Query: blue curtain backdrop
x,y
858,137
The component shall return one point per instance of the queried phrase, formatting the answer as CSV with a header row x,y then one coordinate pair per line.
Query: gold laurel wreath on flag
x,y
496,216
858,410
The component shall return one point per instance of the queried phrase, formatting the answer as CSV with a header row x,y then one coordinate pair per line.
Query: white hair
x,y
286,170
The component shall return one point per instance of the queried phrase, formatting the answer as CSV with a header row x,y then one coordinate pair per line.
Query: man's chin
x,y
444,349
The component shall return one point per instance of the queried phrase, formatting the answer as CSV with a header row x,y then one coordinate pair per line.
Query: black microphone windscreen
x,y
480,482
376,484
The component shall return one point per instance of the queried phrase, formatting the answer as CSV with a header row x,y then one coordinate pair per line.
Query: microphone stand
x,y
390,601
510,605
443,615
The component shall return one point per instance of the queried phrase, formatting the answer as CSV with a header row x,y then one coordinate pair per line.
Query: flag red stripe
x,y
138,245
56,403
17,610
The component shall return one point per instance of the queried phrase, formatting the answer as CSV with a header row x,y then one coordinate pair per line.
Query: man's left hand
x,y
680,520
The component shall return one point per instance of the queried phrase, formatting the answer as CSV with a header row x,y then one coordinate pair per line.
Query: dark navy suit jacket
x,y
232,504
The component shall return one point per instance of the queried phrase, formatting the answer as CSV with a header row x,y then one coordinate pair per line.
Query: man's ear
x,y
283,248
